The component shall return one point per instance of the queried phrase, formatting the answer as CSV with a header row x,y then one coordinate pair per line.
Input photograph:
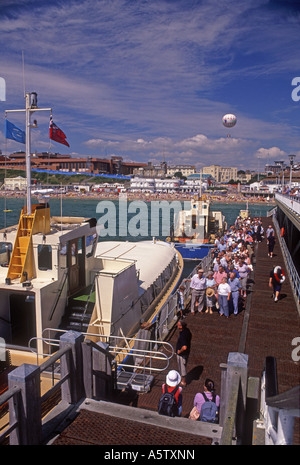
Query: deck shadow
x,y
194,374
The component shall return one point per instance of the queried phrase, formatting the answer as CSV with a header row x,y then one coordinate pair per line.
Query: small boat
x,y
244,214
196,229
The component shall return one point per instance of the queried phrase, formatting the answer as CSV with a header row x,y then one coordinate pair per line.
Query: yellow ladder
x,y
21,262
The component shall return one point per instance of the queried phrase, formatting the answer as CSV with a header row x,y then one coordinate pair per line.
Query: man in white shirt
x,y
198,288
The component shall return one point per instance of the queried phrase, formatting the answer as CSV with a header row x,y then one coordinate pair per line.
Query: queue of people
x,y
223,286
220,288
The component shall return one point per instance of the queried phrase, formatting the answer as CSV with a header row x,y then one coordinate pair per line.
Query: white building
x,y
221,174
185,170
193,186
17,183
152,185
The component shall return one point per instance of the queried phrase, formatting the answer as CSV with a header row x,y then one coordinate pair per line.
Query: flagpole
x,y
30,107
28,147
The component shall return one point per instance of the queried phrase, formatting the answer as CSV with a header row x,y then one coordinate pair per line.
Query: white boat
x,y
196,228
55,274
198,224
244,214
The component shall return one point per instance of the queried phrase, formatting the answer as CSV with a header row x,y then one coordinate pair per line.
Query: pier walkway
x,y
262,328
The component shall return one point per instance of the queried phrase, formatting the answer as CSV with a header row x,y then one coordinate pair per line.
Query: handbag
x,y
194,414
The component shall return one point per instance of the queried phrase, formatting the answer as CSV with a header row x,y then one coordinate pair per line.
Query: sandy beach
x,y
213,198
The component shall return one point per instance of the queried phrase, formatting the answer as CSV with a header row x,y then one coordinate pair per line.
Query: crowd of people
x,y
221,289
223,286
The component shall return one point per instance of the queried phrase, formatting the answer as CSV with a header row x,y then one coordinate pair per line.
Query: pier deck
x,y
262,328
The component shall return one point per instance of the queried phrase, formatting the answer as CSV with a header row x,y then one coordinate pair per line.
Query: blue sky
x,y
151,80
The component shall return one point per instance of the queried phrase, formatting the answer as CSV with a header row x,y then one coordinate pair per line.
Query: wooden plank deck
x,y
262,328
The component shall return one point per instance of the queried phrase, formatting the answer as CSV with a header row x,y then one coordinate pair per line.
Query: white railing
x,y
119,347
289,201
278,413
289,264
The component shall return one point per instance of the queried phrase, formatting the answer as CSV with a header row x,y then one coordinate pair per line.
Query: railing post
x,y
223,393
87,369
237,370
102,372
97,370
29,429
71,364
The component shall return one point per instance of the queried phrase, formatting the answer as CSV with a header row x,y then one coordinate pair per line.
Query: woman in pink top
x,y
209,391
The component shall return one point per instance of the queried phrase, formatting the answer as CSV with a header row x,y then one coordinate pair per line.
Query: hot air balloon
x,y
229,120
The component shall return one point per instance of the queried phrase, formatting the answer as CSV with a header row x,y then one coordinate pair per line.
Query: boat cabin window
x,y
44,257
91,242
5,253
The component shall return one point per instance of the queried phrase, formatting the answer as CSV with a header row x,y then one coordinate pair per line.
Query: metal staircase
x,y
79,310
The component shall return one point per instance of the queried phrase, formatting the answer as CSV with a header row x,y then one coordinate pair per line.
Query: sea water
x,y
10,211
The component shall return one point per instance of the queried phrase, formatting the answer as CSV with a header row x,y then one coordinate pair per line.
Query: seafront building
x,y
185,170
170,186
151,178
221,174
12,184
67,164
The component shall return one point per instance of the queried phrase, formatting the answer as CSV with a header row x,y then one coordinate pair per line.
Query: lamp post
x,y
292,158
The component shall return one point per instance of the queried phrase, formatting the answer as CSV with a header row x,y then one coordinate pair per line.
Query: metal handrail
x,y
171,304
115,349
290,201
5,397
63,281
50,362
88,300
293,273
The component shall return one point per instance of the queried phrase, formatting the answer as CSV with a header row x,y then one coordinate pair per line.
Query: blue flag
x,y
14,133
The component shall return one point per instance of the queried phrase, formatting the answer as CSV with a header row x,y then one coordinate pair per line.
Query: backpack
x,y
167,403
209,410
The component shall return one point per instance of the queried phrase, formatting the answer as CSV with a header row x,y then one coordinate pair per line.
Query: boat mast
x,y
30,107
27,150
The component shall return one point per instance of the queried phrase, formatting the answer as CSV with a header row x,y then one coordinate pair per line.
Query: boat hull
x,y
193,251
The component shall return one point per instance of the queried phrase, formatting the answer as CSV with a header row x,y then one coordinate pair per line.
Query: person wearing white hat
x,y
173,379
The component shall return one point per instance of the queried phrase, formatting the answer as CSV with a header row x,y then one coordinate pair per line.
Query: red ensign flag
x,y
57,134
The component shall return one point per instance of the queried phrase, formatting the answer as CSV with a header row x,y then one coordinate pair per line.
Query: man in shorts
x,y
277,277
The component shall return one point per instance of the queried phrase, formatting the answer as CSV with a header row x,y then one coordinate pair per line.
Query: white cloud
x,y
272,153
148,80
